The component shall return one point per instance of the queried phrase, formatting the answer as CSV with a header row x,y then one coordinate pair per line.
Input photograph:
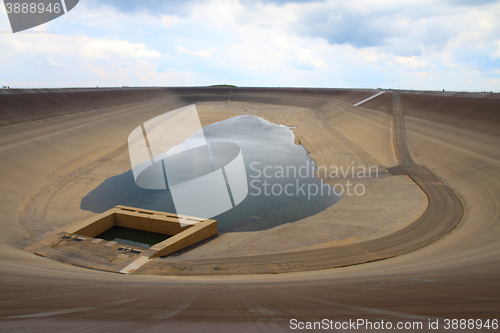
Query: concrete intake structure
x,y
77,244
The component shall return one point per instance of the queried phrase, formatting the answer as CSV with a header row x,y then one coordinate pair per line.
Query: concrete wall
x,y
193,235
185,231
93,227
20,105
166,225
133,220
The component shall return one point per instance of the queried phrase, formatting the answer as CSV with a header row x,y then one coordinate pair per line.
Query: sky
x,y
421,45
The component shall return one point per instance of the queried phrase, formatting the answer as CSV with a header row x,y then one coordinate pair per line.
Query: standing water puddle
x,y
282,187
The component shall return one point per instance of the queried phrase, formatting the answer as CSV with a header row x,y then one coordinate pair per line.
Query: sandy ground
x,y
389,204
456,277
444,213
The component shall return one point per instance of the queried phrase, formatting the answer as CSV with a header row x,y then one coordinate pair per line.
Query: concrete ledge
x,y
193,235
77,243
185,230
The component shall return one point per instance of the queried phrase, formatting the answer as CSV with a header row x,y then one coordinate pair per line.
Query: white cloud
x,y
54,45
54,63
305,57
107,48
181,49
201,53
497,53
79,60
219,13
353,43
367,56
410,62
169,20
